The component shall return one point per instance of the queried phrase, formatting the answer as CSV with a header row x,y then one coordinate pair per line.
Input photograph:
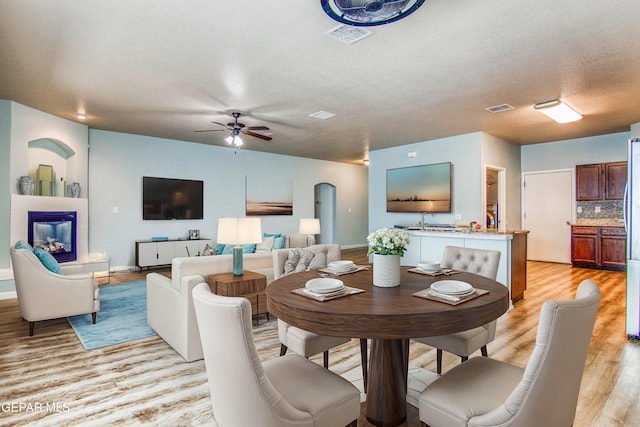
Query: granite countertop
x,y
603,222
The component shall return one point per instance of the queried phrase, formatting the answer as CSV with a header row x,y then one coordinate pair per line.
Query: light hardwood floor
x,y
611,382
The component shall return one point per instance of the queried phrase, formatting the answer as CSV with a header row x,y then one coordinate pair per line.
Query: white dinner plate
x,y
324,285
341,265
452,287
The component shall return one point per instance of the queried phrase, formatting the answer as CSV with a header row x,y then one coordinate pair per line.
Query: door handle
x,y
568,222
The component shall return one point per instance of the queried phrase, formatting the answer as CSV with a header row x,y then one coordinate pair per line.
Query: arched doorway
x,y
325,210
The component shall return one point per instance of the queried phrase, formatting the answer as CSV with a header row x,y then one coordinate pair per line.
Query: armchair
x,y
44,295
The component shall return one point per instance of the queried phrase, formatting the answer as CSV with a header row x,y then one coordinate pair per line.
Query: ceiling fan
x,y
237,128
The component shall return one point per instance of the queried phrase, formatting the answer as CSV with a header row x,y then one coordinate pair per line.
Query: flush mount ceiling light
x,y
558,111
369,12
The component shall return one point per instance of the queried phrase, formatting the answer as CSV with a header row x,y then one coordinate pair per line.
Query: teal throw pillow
x,y
272,235
219,249
278,242
48,260
246,249
21,244
249,248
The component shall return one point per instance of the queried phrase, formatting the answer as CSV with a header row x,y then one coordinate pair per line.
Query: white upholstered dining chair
x,y
303,342
281,392
478,261
487,392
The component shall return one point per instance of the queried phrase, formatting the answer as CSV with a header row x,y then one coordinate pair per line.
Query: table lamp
x,y
239,231
310,227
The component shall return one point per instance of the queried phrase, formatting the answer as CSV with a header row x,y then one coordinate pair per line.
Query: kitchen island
x,y
512,245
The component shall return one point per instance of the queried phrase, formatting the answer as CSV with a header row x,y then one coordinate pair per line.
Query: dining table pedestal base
x,y
387,384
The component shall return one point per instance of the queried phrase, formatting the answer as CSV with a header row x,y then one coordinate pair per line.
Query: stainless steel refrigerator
x,y
632,223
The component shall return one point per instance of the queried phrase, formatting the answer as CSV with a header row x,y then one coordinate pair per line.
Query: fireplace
x,y
55,232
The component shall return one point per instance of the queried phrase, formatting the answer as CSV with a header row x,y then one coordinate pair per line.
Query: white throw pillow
x,y
266,245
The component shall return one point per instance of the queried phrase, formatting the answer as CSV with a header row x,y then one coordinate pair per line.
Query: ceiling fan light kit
x,y
237,128
558,111
369,12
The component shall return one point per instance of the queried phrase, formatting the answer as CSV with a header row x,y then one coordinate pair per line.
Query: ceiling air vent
x,y
321,115
499,108
348,34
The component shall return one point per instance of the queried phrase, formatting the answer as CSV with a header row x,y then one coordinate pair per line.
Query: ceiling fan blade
x,y
257,128
210,130
257,135
224,125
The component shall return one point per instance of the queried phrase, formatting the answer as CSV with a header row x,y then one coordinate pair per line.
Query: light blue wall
x,y
465,154
568,153
119,161
5,181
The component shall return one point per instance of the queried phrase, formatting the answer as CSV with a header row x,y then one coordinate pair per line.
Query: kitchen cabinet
x,y
601,181
598,247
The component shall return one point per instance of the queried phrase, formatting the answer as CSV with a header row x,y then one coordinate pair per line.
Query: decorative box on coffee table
x,y
250,285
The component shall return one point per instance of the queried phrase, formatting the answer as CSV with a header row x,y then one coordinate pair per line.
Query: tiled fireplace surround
x,y
21,205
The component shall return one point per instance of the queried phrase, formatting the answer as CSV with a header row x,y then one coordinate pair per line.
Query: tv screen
x,y
425,188
166,198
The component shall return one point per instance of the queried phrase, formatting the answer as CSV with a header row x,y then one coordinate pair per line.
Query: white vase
x,y
386,270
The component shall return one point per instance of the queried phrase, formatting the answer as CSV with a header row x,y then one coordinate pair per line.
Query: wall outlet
x,y
457,217
115,209
579,209
597,209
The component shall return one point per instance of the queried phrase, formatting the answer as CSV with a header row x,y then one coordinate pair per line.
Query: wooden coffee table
x,y
250,285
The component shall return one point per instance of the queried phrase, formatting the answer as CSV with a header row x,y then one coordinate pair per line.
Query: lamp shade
x,y
309,226
239,231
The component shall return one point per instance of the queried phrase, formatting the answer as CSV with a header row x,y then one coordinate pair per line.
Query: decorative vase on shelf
x,y
26,185
75,189
386,270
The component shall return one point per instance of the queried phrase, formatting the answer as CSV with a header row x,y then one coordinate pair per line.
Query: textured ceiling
x,y
166,68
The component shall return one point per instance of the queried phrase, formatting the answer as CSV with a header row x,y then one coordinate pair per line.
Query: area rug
x,y
122,317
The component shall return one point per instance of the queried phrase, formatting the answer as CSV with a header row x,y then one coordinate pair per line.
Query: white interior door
x,y
548,201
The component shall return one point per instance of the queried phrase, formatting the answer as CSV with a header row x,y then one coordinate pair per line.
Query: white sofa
x,y
170,309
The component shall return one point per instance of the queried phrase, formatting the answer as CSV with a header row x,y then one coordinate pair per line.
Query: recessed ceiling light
x,y
321,115
558,111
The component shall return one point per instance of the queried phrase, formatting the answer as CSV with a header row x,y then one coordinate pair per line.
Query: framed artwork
x,y
268,195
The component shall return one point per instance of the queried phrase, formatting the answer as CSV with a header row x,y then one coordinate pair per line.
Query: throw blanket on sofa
x,y
301,259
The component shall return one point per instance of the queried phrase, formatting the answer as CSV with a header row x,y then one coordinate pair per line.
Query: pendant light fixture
x,y
369,12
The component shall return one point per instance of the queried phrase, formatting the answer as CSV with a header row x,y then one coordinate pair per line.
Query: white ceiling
x,y
166,68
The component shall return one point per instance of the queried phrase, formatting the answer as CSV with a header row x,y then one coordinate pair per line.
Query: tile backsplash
x,y
608,209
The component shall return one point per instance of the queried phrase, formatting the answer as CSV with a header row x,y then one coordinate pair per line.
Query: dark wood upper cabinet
x,y
615,178
601,181
589,182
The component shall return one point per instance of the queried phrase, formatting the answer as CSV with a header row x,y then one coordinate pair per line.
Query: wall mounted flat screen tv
x,y
425,188
167,198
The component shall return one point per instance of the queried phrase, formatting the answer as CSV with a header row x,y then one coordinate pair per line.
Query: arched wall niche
x,y
54,145
51,152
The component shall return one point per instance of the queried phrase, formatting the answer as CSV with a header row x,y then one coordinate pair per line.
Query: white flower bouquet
x,y
388,241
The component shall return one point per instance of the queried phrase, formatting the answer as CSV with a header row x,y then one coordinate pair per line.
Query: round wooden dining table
x,y
389,317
